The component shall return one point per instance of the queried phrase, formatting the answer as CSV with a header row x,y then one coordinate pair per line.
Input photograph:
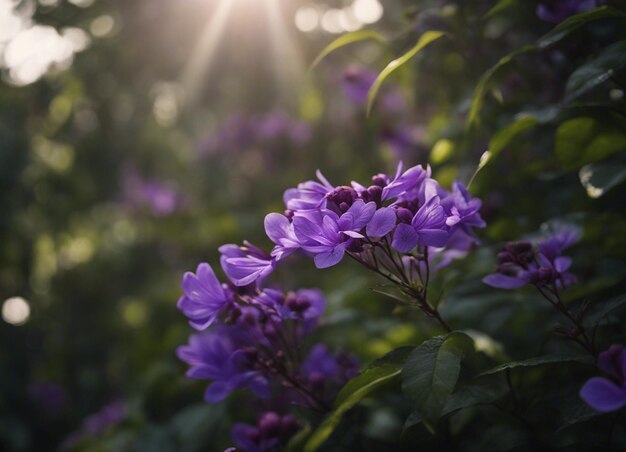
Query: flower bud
x,y
404,215
269,425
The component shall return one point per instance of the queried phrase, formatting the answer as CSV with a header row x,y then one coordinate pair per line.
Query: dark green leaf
x,y
539,361
378,373
424,40
431,372
601,310
482,391
584,140
504,136
296,443
500,7
600,177
596,71
573,23
344,40
478,96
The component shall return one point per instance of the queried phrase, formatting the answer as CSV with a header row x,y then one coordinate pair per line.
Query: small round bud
x,y
404,215
380,179
288,425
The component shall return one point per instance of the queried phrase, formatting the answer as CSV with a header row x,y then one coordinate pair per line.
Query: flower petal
x,y
405,238
382,223
503,282
603,395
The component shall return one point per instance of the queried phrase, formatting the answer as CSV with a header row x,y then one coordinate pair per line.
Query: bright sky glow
x,y
307,19
367,11
28,50
332,20
16,311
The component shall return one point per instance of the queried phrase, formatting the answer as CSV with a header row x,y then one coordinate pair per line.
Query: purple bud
x,y
289,425
404,215
356,246
380,179
504,257
269,425
317,380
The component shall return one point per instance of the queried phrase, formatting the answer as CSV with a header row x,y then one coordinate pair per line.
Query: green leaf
x,y
584,140
596,71
559,32
480,392
424,40
601,310
380,372
574,22
600,177
504,136
431,372
500,7
296,443
478,97
346,39
539,361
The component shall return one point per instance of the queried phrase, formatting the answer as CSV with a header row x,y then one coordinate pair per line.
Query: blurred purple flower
x,y
51,397
109,415
356,82
608,394
271,430
161,197
242,131
556,11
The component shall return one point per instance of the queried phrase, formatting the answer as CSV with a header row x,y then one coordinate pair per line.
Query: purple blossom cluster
x,y
253,337
608,393
244,131
389,225
556,11
542,266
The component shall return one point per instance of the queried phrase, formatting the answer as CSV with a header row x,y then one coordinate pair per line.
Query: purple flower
x,y
608,394
204,297
280,230
522,264
308,195
245,264
109,415
411,179
556,11
426,228
327,235
220,355
271,430
326,370
356,84
462,209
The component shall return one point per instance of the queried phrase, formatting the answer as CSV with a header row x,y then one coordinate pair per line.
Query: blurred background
x,y
138,136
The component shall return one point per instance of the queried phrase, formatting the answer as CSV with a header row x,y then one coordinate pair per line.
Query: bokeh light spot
x,y
15,311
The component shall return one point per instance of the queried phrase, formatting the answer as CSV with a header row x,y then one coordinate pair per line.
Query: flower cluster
x,y
608,393
270,430
402,227
252,337
244,131
556,11
541,266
